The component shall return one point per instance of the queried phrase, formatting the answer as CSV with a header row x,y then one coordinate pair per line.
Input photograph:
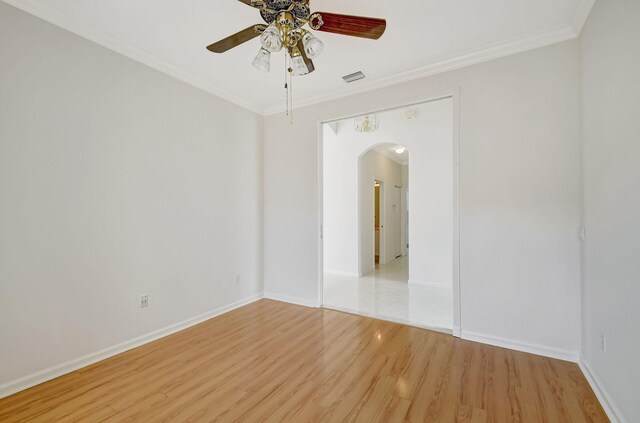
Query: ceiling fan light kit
x,y
284,30
271,39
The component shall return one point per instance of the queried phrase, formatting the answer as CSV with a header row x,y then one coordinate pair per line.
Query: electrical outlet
x,y
237,279
603,343
144,301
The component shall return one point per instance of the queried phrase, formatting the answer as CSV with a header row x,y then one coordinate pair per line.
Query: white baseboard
x,y
457,332
291,300
607,403
439,285
26,382
340,273
521,346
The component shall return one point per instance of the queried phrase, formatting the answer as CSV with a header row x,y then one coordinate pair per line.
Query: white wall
x,y
431,205
340,199
611,124
115,181
520,194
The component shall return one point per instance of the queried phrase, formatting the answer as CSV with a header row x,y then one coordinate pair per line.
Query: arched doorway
x,y
382,209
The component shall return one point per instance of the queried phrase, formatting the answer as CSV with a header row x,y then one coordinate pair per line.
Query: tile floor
x,y
387,295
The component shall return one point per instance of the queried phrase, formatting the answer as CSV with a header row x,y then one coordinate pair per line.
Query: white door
x,y
396,221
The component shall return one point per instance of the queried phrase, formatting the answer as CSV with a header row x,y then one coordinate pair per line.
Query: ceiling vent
x,y
353,77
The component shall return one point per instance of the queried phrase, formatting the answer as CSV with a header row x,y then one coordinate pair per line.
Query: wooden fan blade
x,y
355,26
257,3
236,39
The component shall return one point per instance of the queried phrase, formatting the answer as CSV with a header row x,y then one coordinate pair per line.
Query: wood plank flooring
x,y
276,362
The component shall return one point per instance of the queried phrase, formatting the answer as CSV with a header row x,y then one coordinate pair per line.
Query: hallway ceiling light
x,y
367,124
400,150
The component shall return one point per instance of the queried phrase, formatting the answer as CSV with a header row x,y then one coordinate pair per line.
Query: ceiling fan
x,y
285,21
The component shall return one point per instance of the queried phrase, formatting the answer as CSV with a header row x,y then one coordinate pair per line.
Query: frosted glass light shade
x,y
312,45
271,39
262,61
299,66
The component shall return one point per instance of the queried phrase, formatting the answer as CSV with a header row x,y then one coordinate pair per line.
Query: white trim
x,y
344,274
320,216
511,344
88,32
26,382
582,14
472,57
457,290
437,94
428,284
291,300
613,412
457,332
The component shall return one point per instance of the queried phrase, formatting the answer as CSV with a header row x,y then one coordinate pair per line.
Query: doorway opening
x,y
366,178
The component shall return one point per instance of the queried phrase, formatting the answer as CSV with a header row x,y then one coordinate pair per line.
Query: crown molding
x,y
469,58
63,21
582,14
472,57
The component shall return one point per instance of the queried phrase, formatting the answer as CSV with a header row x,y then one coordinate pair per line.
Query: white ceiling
x,y
423,37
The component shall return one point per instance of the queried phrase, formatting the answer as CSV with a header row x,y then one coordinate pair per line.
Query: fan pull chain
x,y
290,101
286,83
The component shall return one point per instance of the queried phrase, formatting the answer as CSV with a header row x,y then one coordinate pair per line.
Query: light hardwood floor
x,y
275,362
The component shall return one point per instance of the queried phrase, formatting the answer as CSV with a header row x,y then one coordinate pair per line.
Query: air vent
x,y
353,77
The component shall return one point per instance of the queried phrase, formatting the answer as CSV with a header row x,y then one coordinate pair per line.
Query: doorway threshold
x,y
388,319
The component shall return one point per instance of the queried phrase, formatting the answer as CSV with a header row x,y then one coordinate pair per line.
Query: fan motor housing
x,y
299,9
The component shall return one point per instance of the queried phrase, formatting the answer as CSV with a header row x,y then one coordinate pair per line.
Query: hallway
x,y
386,294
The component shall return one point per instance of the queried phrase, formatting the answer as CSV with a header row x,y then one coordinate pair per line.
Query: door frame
x,y
383,238
454,94
398,190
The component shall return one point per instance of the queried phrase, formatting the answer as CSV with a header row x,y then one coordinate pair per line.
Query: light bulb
x,y
312,45
262,61
271,39
400,150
